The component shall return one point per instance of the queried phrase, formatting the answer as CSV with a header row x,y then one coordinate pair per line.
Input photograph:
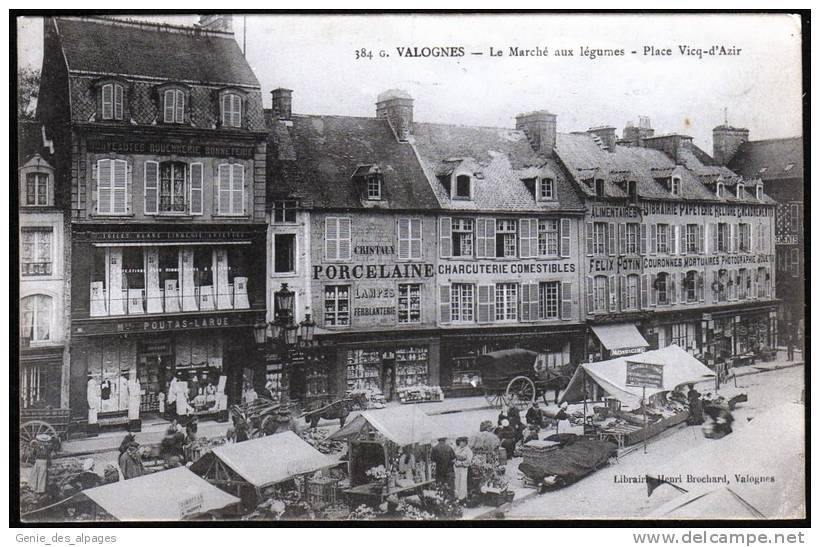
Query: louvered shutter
x,y
486,297
701,238
344,238
713,229
196,188
672,287
168,107
566,300
237,110
534,303
404,238
653,291
732,238
566,240
613,295
120,187
331,238
415,238
179,114
224,190
525,237
673,239
644,291
445,247
444,303
104,188
624,292
590,297
715,287
107,101
489,226
525,302
684,239
653,239
238,189
117,102
151,185
590,235
752,243
701,288
622,238
643,239
480,237
611,240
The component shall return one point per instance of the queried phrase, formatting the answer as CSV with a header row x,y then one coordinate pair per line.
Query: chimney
x,y
539,127
606,134
396,106
635,135
670,145
282,103
216,21
725,142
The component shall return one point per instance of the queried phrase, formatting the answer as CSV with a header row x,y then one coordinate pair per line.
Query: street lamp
x,y
307,328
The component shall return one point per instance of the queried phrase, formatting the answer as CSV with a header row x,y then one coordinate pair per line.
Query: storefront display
x,y
388,369
364,370
411,366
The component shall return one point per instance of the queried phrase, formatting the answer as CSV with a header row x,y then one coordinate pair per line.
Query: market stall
x,y
249,467
388,454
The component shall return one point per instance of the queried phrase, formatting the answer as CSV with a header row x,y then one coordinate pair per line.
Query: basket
x,y
537,455
322,491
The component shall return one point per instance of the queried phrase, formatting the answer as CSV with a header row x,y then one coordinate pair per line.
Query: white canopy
x,y
679,368
268,460
620,337
402,425
770,449
166,495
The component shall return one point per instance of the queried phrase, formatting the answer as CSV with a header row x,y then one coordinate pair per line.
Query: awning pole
x,y
585,401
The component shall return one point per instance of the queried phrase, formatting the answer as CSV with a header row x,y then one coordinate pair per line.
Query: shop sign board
x,y
132,146
167,324
619,352
644,375
621,264
507,268
786,239
191,505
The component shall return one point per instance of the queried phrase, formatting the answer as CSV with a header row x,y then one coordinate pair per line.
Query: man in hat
x,y
443,456
131,462
534,416
41,449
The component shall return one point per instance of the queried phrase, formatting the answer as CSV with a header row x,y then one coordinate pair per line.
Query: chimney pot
x,y
217,21
607,136
396,106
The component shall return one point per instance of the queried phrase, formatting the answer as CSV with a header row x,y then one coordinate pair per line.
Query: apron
x,y
39,476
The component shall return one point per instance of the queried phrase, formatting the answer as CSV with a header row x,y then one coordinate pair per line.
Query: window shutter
x,y
344,238
715,287
525,302
624,292
331,238
622,238
237,110
445,245
196,188
683,239
566,300
415,238
120,187
613,294
701,238
590,235
672,287
480,236
485,313
713,229
404,238
151,185
534,303
653,239
566,240
179,115
104,188
489,226
653,292
644,291
224,192
643,239
701,282
444,303
612,237
732,238
590,298
238,189
524,236
674,234
168,107
107,101
752,242
117,102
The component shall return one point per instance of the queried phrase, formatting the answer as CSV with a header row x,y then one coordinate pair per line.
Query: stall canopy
x,y
267,460
620,339
400,425
768,452
166,495
679,368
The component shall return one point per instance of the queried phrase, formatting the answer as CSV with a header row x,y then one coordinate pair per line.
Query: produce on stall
x,y
555,469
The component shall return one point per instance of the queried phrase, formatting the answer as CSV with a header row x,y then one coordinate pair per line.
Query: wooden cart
x,y
510,377
54,422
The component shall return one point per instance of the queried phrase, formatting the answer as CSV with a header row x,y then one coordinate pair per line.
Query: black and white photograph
x,y
409,267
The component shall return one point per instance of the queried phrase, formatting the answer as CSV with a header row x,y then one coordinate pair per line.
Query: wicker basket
x,y
322,491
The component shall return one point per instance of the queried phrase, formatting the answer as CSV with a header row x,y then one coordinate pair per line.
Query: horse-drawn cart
x,y
53,422
339,409
517,377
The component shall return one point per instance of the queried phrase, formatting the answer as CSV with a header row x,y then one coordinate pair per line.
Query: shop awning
x,y
401,425
620,338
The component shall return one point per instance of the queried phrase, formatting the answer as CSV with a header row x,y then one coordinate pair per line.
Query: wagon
x,y
35,421
338,409
514,377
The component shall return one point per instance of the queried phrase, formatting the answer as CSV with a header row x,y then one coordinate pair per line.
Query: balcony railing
x,y
179,205
36,268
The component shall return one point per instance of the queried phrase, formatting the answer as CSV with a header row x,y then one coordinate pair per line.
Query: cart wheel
x,y
494,399
520,391
29,432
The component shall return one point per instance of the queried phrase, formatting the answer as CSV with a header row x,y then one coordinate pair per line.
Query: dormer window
x,y
719,190
599,187
740,191
231,105
674,186
546,189
112,101
463,187
759,192
373,183
174,106
36,189
632,191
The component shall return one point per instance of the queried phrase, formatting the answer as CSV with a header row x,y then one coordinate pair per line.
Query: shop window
x,y
112,100
663,238
505,238
633,238
692,239
411,366
744,237
284,211
546,189
364,370
337,305
337,238
683,335
237,264
231,110
36,252
39,386
599,238
462,303
633,288
548,300
462,237
723,243
373,183
203,267
600,291
506,301
284,253
409,303
112,187
35,322
174,106
409,238
662,288
548,235
231,189
463,189
37,191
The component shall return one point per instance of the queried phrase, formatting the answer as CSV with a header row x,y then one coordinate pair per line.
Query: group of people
x,y
452,466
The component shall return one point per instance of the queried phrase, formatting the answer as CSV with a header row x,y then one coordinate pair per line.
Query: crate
x,y
322,491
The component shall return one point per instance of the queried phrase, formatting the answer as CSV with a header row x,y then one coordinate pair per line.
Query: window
x,y
633,287
172,195
462,237
744,237
112,187
662,288
692,238
632,191
723,237
675,186
409,304
174,106
794,217
740,191
599,238
35,257
795,265
548,300
762,282
505,238
719,190
546,189
722,288
506,301
463,189
35,322
690,286
600,294
112,102
231,191
39,386
231,110
633,238
663,238
374,186
284,253
337,238
683,335
744,284
284,211
409,238
599,187
36,189
548,237
337,306
462,299
759,191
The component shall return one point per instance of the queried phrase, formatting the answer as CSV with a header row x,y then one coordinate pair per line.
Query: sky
x,y
314,55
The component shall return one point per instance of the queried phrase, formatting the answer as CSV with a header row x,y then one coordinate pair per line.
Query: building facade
x,y
164,156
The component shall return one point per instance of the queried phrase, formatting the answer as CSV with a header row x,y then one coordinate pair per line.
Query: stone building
x,y
159,149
